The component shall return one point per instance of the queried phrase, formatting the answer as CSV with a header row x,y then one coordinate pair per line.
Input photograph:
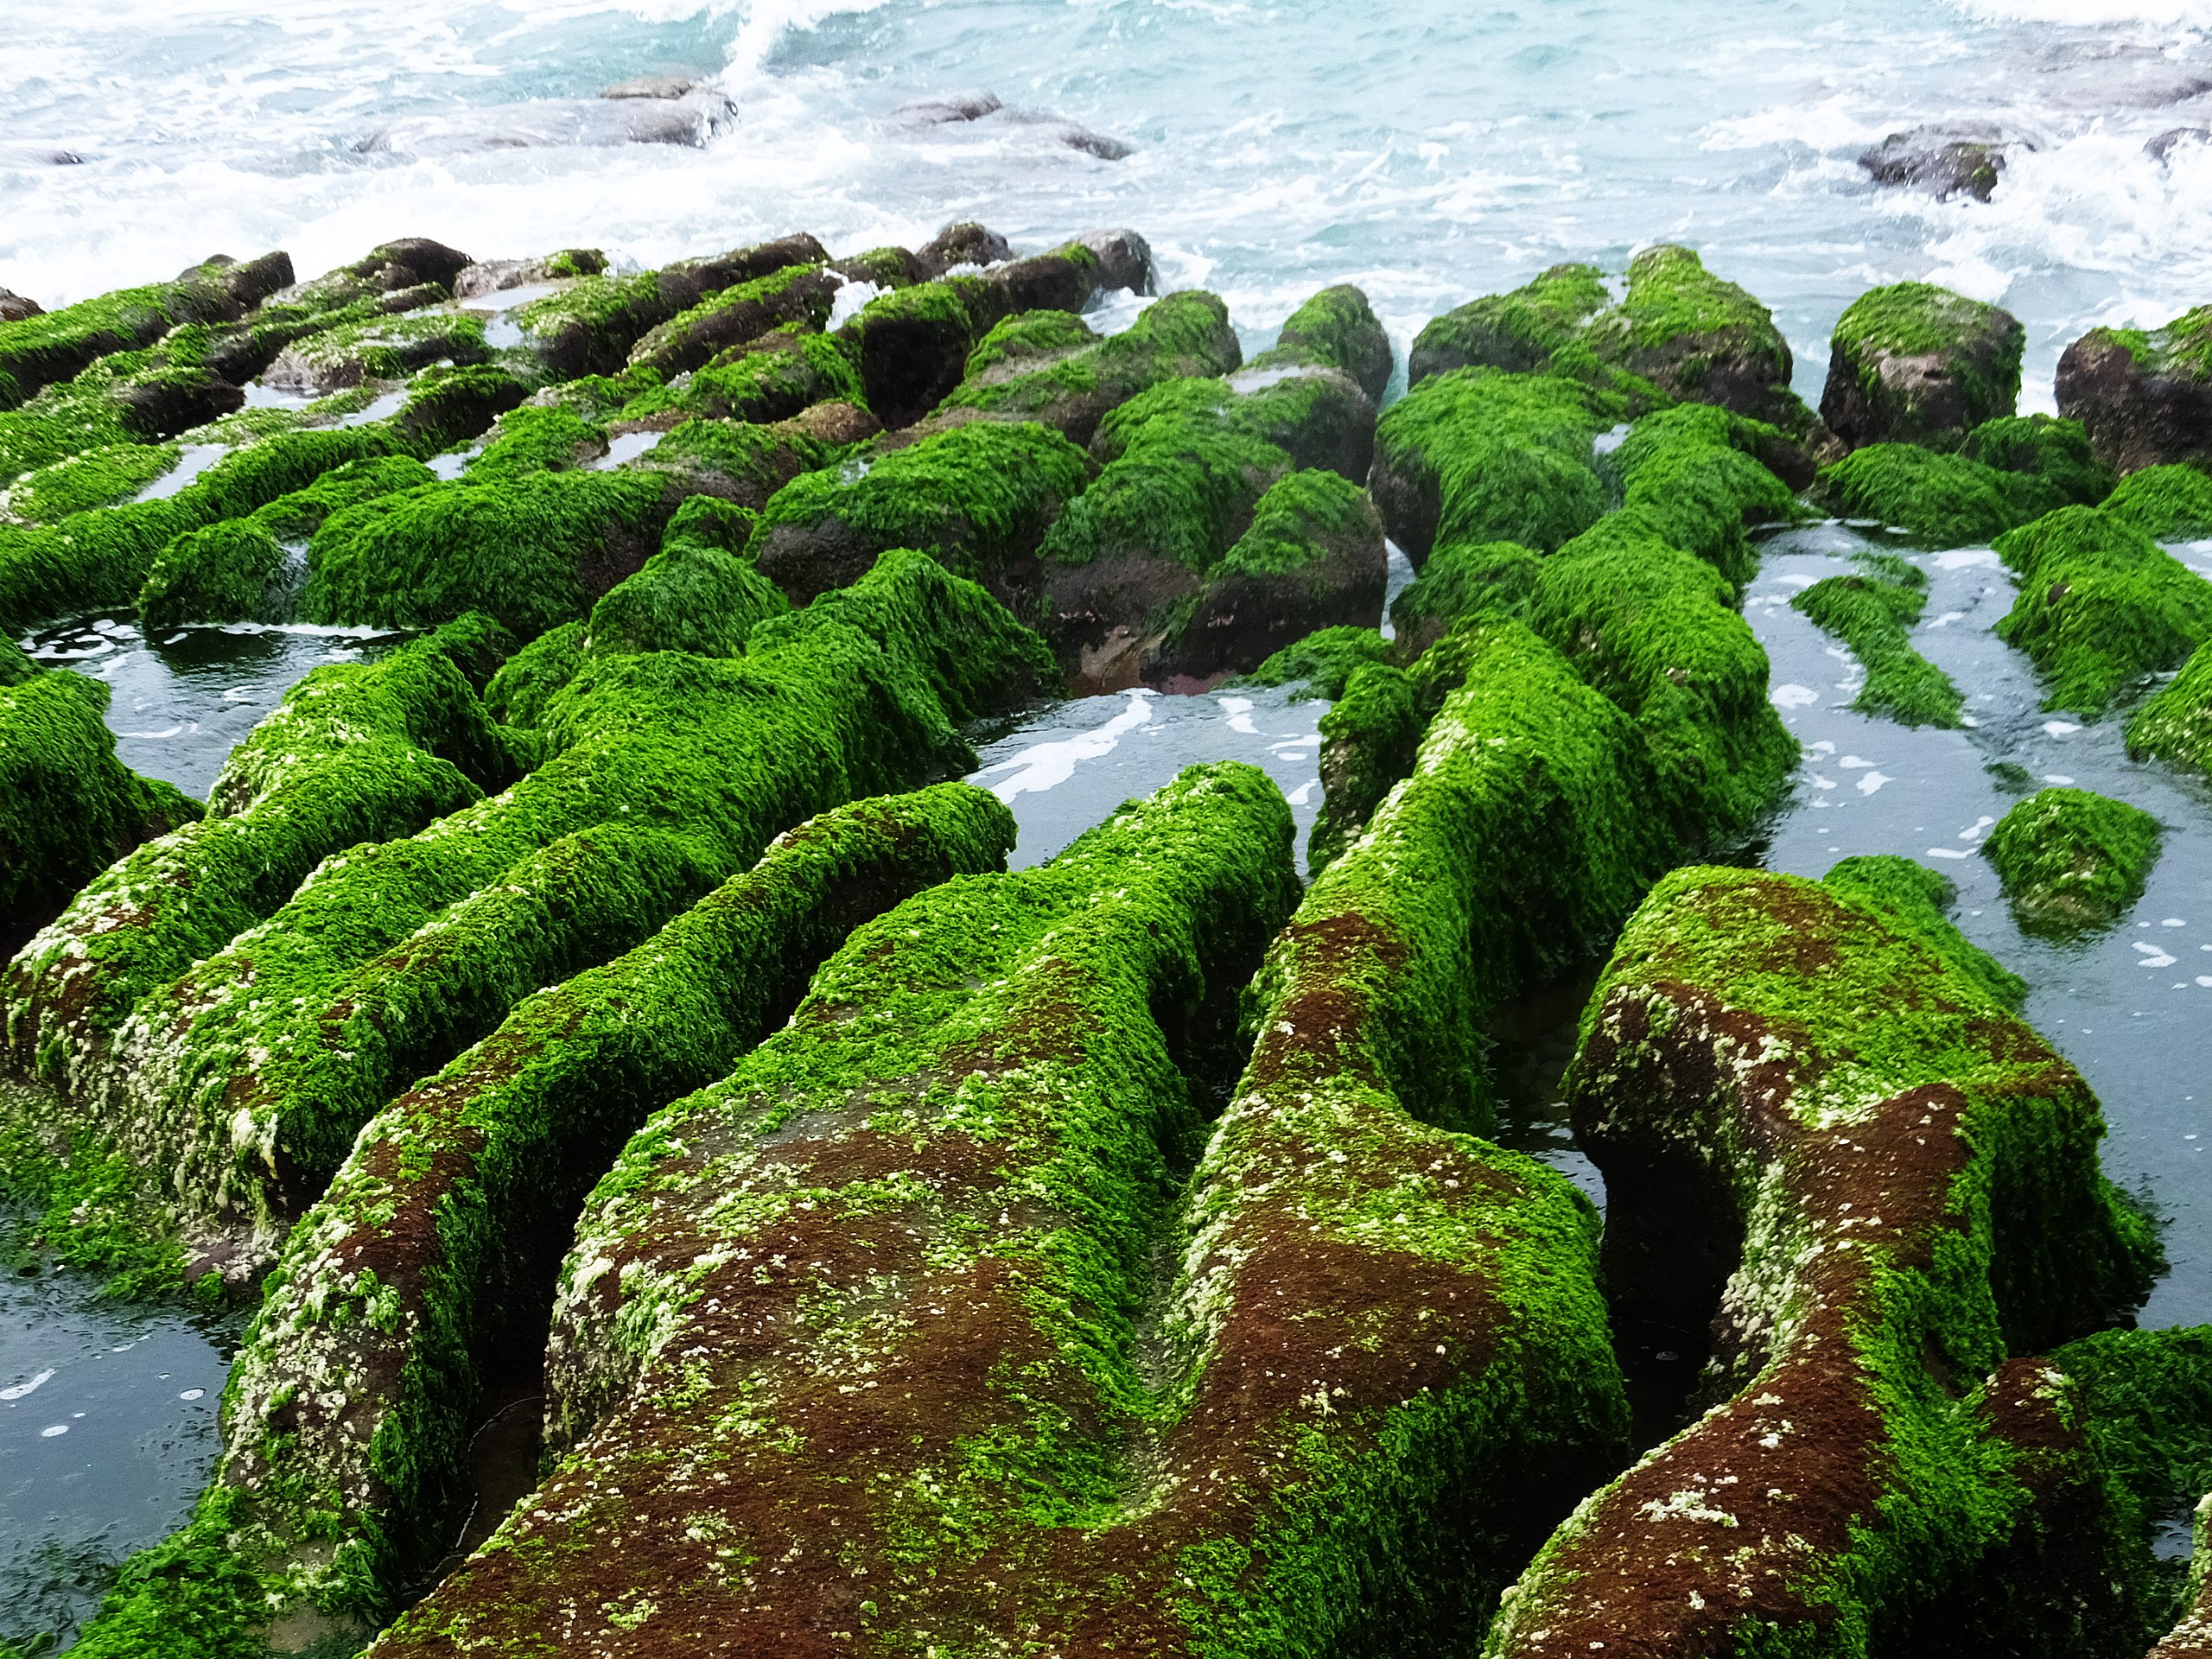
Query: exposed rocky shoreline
x,y
1104,1257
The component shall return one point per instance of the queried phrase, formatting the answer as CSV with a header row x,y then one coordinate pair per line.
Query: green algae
x,y
68,808
798,296
1842,1333
1480,456
525,684
699,761
1940,501
2042,446
1697,337
2071,860
1918,902
530,552
1072,387
101,475
1335,330
1694,475
1370,739
1461,583
2100,606
771,378
2175,724
1027,337
381,348
698,594
1523,332
356,753
1871,611
232,571
2169,503
978,498
1322,662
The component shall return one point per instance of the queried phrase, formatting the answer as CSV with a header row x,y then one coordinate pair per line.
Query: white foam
x,y
1044,766
21,1389
846,303
2088,13
1793,695
1872,781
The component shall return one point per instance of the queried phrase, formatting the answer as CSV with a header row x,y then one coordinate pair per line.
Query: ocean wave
x,y
2090,14
766,22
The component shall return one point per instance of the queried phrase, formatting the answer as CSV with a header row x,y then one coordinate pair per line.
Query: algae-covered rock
x,y
2071,859
380,348
1702,476
774,377
2144,395
1696,336
698,594
1322,662
1523,332
1919,902
2007,473
2100,606
1819,1133
233,571
911,346
1336,329
1481,456
1913,363
2169,503
40,350
68,808
979,497
482,278
2038,446
1461,583
1047,366
795,296
1961,158
356,753
511,1132
1871,611
1312,559
2175,724
523,689
406,951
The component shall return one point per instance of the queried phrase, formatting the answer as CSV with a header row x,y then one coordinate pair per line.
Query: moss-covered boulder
x,y
68,808
2041,446
1939,500
2169,503
1913,363
1697,337
1047,366
1322,662
1702,477
979,497
1482,456
774,377
2144,395
1871,610
356,753
1312,559
2070,859
698,594
379,348
1522,333
1843,1151
51,346
1336,329
666,773
2175,724
795,296
394,1298
2100,606
234,571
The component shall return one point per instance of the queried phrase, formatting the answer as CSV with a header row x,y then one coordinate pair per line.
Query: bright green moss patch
x,y
101,476
771,378
2168,504
535,438
1693,473
1696,336
2100,606
1872,610
1336,329
1028,336
2038,446
698,594
978,498
381,348
234,571
1461,583
1322,662
356,753
529,551
68,808
2071,859
2175,725
87,1208
797,297
1918,901
525,684
1914,362
1479,455
1521,332
1940,501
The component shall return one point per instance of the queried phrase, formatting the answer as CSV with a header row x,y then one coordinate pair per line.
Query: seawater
x,y
1428,151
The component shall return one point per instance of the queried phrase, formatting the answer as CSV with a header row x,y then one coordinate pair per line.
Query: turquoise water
x,y
1429,151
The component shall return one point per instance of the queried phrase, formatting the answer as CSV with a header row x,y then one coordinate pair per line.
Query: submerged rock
x,y
488,277
2144,395
1965,159
1916,364
1871,611
2072,860
1808,1116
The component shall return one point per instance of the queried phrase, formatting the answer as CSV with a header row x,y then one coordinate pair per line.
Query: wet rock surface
x,y
1967,159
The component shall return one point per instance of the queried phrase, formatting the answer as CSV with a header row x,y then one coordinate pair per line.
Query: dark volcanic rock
x,y
1916,364
964,243
663,87
2144,396
1947,160
1076,275
14,308
161,405
949,112
2162,148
